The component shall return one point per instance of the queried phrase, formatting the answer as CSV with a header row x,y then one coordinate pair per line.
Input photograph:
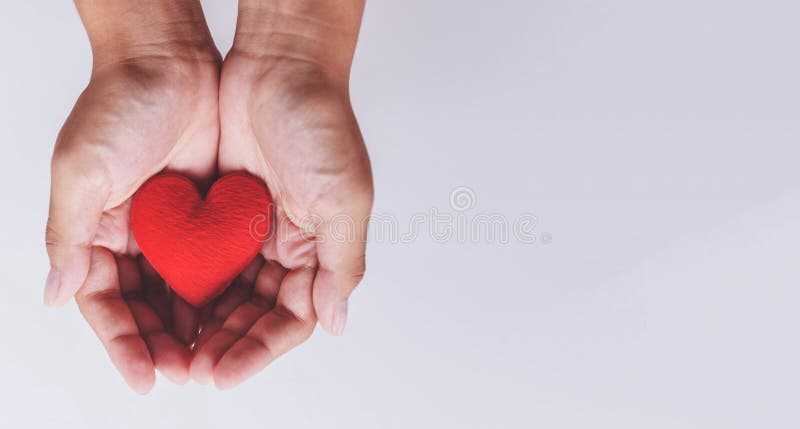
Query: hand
x,y
291,124
138,115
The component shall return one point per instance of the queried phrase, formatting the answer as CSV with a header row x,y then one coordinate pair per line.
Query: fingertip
x,y
66,276
142,378
202,379
240,363
225,383
51,287
226,378
330,303
130,355
333,317
339,318
201,369
169,356
178,377
144,387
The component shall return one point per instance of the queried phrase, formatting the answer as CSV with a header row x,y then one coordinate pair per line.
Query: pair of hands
x,y
280,118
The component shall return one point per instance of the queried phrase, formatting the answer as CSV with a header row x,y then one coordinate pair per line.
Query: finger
x,y
78,194
169,356
341,255
155,292
233,328
185,320
289,244
251,271
288,324
236,294
237,323
101,304
268,284
130,279
240,291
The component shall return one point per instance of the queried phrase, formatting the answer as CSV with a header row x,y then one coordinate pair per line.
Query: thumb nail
x,y
51,287
339,318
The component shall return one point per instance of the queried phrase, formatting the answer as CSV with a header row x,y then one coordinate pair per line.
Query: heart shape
x,y
199,246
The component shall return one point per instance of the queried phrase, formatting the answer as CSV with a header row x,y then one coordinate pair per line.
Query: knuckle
x,y
359,269
348,279
356,279
57,241
52,237
303,317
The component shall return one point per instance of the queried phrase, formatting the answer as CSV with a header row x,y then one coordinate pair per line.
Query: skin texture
x,y
305,143
286,117
156,101
151,104
129,123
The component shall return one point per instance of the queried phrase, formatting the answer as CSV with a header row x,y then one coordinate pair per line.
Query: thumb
x,y
341,254
79,190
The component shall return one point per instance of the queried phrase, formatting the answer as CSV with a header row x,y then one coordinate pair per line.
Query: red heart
x,y
199,246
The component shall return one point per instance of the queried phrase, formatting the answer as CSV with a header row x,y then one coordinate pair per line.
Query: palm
x,y
302,138
124,128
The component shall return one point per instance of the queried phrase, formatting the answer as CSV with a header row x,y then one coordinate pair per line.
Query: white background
x,y
656,142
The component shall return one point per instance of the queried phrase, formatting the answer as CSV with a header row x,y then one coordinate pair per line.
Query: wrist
x,y
300,34
123,32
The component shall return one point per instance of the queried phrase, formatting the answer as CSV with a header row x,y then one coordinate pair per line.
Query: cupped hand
x,y
291,124
137,116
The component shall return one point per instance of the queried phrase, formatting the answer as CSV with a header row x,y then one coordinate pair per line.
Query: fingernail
x,y
340,318
51,287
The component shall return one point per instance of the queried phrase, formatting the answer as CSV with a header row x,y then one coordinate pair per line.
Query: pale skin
x,y
160,98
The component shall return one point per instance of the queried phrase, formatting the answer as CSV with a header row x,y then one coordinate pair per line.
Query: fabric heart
x,y
199,246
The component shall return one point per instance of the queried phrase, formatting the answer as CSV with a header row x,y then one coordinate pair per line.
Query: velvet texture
x,y
199,246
